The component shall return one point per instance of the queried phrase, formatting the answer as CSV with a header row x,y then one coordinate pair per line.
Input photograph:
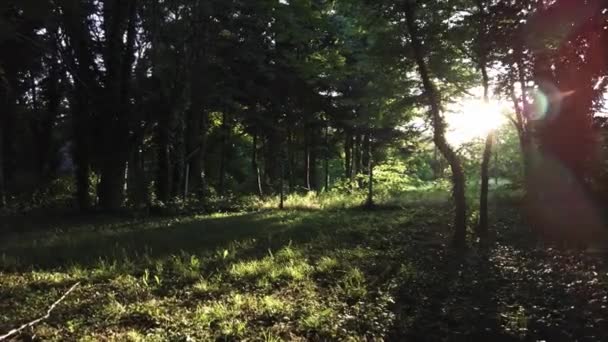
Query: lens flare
x,y
539,106
546,101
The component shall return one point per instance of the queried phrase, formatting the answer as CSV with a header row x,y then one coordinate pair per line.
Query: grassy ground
x,y
342,274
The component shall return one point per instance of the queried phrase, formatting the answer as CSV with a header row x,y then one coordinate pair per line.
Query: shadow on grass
x,y
157,239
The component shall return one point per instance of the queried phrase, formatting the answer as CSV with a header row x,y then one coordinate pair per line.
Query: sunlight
x,y
471,119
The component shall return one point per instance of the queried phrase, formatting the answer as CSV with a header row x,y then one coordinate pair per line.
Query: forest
x,y
303,170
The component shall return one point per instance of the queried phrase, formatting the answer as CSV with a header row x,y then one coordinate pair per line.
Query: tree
x,y
438,123
478,44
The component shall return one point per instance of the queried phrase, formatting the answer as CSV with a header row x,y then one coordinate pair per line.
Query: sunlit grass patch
x,y
353,285
204,287
252,269
327,264
287,264
319,320
229,317
184,266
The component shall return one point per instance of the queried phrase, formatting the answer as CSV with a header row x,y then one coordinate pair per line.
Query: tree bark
x,y
348,155
525,140
291,160
164,112
326,158
195,141
307,182
2,180
272,167
136,180
357,159
458,176
282,185
197,122
112,184
163,172
7,106
370,172
487,153
485,184
179,157
223,148
53,107
313,153
522,113
120,20
85,90
81,152
254,165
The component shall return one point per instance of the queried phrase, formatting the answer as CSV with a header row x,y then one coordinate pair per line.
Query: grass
x,y
269,274
341,274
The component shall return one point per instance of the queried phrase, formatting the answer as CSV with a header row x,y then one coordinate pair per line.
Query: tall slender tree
x,y
438,124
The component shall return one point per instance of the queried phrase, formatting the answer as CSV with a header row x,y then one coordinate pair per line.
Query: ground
x,y
343,274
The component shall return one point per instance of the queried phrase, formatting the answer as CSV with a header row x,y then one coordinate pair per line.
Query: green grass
x,y
342,274
386,195
269,275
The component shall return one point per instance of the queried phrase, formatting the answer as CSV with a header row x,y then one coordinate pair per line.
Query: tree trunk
x,y
282,184
2,180
370,173
37,129
165,112
348,155
496,163
111,186
197,122
85,92
313,154
223,149
458,176
45,118
137,185
254,165
487,153
81,152
357,158
272,168
307,182
6,104
525,140
291,160
179,158
119,58
196,130
281,158
53,106
364,152
485,184
163,172
326,158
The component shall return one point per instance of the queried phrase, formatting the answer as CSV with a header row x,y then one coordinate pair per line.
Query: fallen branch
x,y
36,321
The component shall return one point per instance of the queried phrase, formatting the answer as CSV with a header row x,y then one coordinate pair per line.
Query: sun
x,y
470,119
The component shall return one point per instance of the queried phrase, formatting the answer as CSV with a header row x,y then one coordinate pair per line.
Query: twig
x,y
36,321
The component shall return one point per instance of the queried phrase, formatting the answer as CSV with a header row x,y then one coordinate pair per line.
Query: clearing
x,y
297,275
